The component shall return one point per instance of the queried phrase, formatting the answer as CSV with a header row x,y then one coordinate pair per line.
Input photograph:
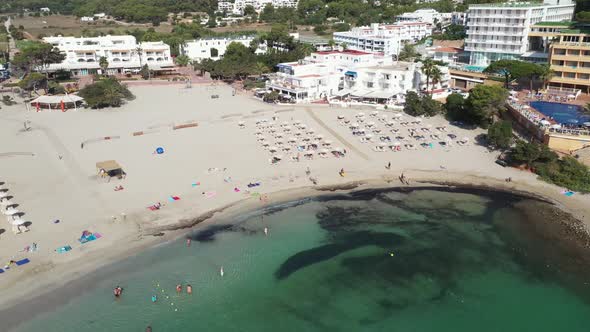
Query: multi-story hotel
x,y
383,38
122,53
569,56
500,30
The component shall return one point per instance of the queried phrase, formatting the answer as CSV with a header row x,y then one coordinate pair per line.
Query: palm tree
x,y
428,68
259,68
435,76
331,43
103,63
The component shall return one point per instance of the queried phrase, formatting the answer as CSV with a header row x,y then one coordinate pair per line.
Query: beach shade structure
x,y
241,123
370,124
286,148
545,122
279,135
558,126
383,116
258,132
61,102
291,140
159,150
11,211
5,202
327,143
319,137
3,194
303,126
273,149
279,142
586,124
397,143
397,115
374,113
340,117
306,139
310,131
354,125
308,154
287,128
298,133
261,138
284,124
265,144
109,168
296,122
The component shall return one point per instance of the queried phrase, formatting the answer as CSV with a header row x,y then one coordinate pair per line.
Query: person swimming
x,y
154,298
189,289
179,288
148,329
118,291
221,273
266,231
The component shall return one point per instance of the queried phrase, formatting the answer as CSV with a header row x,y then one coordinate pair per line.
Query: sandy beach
x,y
51,176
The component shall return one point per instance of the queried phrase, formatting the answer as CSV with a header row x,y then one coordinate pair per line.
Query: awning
x,y
57,99
108,165
351,73
342,93
379,95
359,93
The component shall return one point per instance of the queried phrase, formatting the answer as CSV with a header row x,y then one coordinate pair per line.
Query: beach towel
x,y
153,208
194,184
173,198
210,194
252,185
63,249
237,190
89,238
569,193
1,271
22,262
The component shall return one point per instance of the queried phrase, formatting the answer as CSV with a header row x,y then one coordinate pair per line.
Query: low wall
x,y
566,143
527,124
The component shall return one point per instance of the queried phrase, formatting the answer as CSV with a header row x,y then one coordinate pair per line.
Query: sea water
x,y
424,260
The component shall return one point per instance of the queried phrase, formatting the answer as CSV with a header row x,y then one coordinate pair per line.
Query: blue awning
x,y
350,73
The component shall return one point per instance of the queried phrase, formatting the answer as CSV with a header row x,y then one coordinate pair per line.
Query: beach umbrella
x,y
328,142
287,148
354,125
382,144
297,133
557,126
17,222
360,115
545,122
292,140
11,211
396,143
278,156
287,128
279,142
586,124
369,136
324,151
371,124
296,122
383,116
319,137
265,144
241,123
397,115
3,194
285,123
5,202
340,117
302,126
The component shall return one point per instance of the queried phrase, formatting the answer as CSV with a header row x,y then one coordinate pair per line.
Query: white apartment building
x,y
237,7
122,53
421,15
383,38
500,30
214,48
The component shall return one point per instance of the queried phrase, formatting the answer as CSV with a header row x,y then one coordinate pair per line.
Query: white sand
x,y
49,188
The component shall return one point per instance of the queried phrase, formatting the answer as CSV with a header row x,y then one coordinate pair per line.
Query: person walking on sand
x,y
388,166
341,172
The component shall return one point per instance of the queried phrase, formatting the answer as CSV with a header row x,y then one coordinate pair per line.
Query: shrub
x,y
106,93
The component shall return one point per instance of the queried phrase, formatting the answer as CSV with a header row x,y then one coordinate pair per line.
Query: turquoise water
x,y
562,113
475,68
373,261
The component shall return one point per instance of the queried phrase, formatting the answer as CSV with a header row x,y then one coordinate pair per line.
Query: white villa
x,y
352,74
122,52
214,48
383,38
237,7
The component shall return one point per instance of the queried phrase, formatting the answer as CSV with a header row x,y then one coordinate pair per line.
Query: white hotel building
x,y
237,7
122,52
383,38
349,73
500,30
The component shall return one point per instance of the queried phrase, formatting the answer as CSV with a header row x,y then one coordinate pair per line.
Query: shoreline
x,y
78,278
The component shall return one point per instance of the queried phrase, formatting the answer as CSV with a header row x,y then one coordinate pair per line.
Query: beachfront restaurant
x,y
109,169
57,102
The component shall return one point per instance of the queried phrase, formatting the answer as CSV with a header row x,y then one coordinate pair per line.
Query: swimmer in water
x,y
189,289
266,231
188,241
118,291
148,329
154,298
179,288
221,271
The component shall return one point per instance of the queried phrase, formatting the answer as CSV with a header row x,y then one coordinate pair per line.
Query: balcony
x,y
568,69
570,57
493,42
569,80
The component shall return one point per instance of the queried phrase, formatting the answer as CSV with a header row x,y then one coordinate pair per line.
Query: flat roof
x,y
351,52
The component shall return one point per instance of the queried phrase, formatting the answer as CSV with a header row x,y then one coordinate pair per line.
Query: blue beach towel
x,y
63,249
1,271
22,262
569,193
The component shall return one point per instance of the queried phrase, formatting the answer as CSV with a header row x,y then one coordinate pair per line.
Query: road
x,y
11,43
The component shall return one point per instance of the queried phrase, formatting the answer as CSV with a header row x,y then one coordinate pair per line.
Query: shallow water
x,y
371,261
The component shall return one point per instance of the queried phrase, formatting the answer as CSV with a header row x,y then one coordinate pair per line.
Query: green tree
x,y
106,93
37,56
183,60
514,70
455,107
249,10
33,81
525,153
271,97
144,72
500,134
408,53
484,103
103,63
545,74
421,106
